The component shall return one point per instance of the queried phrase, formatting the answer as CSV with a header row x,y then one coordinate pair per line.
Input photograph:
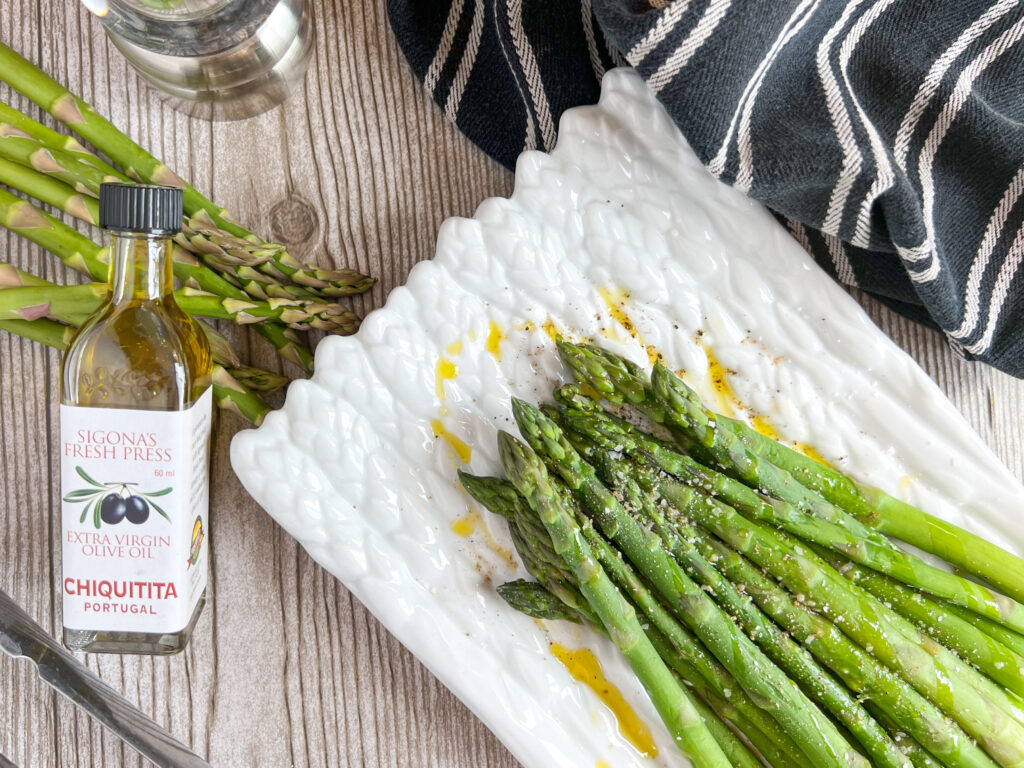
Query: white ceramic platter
x,y
619,224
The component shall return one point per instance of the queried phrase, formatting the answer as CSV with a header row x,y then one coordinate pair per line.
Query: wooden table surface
x,y
286,667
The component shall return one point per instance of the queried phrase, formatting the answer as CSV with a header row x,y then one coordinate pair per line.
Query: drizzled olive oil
x,y
135,429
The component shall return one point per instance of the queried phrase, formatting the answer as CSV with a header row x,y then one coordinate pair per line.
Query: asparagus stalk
x,y
667,399
536,601
981,708
56,163
989,655
527,473
13,122
136,162
84,255
819,686
798,716
685,653
620,381
864,674
683,414
49,190
235,257
61,301
993,658
892,516
1007,637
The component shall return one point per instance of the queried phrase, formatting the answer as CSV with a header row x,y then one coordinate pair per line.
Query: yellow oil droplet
x,y
455,348
494,339
614,299
470,523
463,451
811,452
529,326
465,525
719,376
729,405
550,329
584,666
907,481
443,411
472,334
445,370
762,425
602,764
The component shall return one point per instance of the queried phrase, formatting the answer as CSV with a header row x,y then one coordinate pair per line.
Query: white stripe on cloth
x,y
661,29
930,85
999,293
445,48
717,164
844,272
745,173
926,158
588,32
796,229
852,157
451,105
681,56
993,232
530,70
884,175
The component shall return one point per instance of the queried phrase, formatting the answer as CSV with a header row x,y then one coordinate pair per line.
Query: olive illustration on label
x,y
110,503
113,509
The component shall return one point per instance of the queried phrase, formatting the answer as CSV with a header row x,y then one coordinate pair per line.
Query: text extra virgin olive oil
x,y
135,432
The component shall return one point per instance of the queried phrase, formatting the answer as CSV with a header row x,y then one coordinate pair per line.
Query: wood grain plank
x,y
286,667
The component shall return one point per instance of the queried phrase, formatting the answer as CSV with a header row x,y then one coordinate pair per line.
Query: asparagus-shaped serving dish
x,y
793,625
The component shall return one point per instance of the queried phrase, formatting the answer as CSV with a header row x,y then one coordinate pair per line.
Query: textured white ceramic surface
x,y
620,213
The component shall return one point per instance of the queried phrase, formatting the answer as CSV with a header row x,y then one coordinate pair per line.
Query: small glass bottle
x,y
135,432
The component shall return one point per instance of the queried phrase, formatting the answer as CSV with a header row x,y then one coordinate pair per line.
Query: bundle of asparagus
x,y
760,597
226,272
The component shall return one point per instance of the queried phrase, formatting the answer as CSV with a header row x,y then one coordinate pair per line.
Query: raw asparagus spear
x,y
527,473
799,717
136,162
13,122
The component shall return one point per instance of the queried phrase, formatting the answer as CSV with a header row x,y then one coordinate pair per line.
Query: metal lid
x,y
140,208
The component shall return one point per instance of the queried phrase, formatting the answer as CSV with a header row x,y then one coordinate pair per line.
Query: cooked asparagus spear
x,y
527,473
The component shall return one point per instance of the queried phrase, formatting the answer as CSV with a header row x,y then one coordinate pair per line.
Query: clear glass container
x,y
138,351
218,59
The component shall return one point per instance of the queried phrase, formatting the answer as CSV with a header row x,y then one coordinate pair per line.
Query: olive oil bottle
x,y
135,430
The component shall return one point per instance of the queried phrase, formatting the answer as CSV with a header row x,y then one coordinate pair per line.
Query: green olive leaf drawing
x,y
156,506
85,476
164,492
96,513
83,494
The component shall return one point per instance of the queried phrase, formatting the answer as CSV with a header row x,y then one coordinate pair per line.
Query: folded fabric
x,y
887,135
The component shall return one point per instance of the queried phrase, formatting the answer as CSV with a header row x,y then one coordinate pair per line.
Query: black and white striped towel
x,y
888,135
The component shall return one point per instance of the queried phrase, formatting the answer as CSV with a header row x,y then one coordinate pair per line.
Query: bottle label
x,y
135,492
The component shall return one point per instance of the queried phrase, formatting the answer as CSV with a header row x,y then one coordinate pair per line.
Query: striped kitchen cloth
x,y
887,135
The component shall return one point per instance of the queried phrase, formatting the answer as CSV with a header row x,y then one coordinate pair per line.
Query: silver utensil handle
x,y
21,636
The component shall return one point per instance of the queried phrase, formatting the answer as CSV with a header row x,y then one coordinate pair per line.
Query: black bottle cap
x,y
142,208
